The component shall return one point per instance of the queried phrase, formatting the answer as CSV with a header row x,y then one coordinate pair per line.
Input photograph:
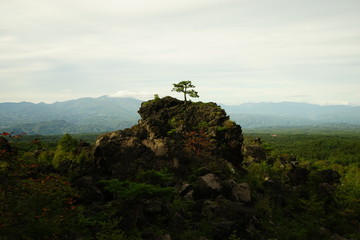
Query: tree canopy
x,y
184,87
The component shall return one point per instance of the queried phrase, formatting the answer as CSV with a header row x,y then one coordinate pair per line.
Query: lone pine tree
x,y
184,87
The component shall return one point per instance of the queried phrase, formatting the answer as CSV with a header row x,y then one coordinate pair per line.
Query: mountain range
x,y
105,113
252,115
74,116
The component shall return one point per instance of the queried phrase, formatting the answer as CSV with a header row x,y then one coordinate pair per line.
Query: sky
x,y
233,51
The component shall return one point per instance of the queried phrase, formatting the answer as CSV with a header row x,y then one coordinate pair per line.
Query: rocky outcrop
x,y
171,135
202,149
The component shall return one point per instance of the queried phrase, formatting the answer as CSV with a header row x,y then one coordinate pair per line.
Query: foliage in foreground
x,y
40,200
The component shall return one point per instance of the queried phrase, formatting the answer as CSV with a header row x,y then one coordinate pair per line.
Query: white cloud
x,y
143,95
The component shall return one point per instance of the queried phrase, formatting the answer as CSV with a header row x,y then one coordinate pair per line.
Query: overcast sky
x,y
233,51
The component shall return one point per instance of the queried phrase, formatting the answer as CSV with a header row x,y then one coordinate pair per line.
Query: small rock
x,y
240,191
184,189
210,181
337,237
324,232
157,146
166,237
207,186
189,196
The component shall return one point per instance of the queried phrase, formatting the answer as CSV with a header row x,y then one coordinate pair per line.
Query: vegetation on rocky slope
x,y
183,172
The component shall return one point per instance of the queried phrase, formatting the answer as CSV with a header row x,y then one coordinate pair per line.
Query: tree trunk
x,y
185,90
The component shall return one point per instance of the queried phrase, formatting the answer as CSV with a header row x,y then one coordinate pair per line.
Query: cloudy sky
x,y
233,51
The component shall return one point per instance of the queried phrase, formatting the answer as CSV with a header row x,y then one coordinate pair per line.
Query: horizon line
x,y
224,104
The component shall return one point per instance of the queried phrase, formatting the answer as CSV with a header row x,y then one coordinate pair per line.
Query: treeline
x,y
57,127
340,148
308,186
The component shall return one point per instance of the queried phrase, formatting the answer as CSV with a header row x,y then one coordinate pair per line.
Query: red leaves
x,y
12,134
198,143
28,165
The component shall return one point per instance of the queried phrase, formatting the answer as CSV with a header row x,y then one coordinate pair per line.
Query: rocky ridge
x,y
200,147
173,135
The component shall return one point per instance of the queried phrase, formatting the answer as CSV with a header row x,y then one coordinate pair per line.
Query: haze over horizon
x,y
244,104
233,51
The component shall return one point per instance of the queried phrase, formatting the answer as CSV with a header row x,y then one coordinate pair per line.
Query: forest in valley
x,y
304,186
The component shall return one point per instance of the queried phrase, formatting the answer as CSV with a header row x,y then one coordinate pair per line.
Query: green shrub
x,y
110,230
155,177
203,124
221,128
134,191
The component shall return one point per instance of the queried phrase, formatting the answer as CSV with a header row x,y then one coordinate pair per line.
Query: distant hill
x,y
74,116
252,115
105,114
